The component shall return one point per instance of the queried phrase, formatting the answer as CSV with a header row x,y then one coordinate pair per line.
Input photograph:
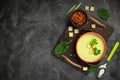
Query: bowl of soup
x,y
91,47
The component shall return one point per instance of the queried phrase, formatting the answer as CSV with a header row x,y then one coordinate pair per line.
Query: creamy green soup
x,y
83,50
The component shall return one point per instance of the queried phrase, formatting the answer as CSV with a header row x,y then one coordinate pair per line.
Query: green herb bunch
x,y
103,13
92,43
92,68
62,47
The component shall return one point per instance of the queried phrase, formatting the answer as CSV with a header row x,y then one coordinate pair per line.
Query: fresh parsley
x,y
92,68
95,50
62,47
93,42
103,13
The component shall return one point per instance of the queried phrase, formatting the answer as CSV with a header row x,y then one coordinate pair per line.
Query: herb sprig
x,y
62,47
74,7
94,42
96,51
103,13
92,68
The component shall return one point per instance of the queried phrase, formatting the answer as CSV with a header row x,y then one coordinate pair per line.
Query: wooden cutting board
x,y
70,56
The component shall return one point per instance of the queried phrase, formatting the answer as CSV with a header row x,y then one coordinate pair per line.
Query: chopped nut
x,y
92,8
86,7
91,48
93,25
88,45
91,51
70,34
85,68
94,46
76,31
70,28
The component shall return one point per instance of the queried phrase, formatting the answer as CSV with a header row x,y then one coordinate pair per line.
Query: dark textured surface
x,y
29,29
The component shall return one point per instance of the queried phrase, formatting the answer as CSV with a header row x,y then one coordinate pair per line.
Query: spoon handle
x,y
113,51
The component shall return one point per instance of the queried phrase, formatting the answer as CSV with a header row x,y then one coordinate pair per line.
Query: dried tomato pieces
x,y
78,17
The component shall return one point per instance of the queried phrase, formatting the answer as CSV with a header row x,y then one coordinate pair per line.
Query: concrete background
x,y
29,29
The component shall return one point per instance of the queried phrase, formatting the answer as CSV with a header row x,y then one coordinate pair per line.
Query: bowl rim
x,y
104,52
83,13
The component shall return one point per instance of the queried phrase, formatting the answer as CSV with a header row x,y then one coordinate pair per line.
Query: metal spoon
x,y
102,68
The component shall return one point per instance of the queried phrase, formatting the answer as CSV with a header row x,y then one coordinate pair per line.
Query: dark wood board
x,y
70,56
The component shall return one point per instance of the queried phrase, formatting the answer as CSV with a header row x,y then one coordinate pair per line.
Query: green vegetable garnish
x,y
75,7
62,47
103,13
71,9
113,50
93,42
96,51
92,68
79,5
